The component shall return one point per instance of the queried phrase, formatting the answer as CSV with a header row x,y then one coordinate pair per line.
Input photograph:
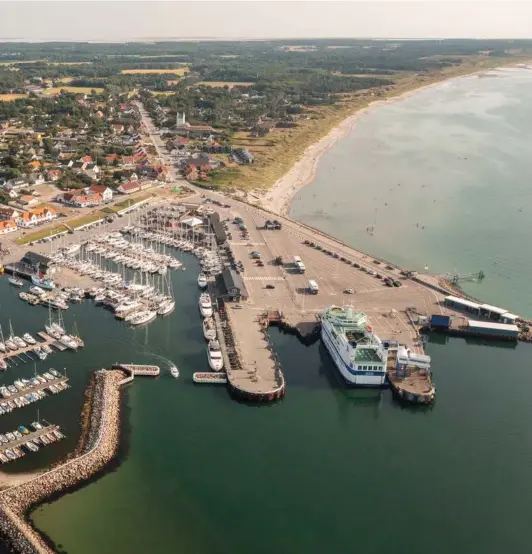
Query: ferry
x,y
202,280
214,353
356,350
43,282
205,305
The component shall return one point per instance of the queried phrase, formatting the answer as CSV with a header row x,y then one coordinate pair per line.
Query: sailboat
x,y
2,341
16,281
10,343
55,330
168,305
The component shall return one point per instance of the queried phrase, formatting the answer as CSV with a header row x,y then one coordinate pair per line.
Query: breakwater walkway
x,y
101,439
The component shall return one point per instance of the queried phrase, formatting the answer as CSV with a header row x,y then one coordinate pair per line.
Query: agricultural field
x,y
230,84
77,90
176,71
11,97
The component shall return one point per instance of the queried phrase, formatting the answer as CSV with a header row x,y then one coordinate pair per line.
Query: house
x,y
13,194
110,158
28,200
7,212
53,174
91,174
36,217
105,192
86,159
7,226
117,128
16,184
129,187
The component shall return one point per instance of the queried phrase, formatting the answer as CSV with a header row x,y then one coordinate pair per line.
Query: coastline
x,y
279,197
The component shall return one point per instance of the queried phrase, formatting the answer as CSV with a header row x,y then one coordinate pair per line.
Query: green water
x,y
326,469
455,160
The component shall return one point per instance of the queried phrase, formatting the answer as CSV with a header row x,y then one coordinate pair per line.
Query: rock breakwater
x,y
100,436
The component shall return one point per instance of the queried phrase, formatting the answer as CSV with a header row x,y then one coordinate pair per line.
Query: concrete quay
x,y
101,440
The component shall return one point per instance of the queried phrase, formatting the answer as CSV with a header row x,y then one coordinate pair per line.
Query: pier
x,y
26,353
210,377
6,403
141,370
44,432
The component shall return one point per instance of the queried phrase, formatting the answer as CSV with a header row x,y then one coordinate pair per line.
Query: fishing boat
x,y
44,282
205,305
209,330
214,354
202,280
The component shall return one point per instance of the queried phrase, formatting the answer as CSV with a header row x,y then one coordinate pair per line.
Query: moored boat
x,y
202,280
214,354
205,305
209,330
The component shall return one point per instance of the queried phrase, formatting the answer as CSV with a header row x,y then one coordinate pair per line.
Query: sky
x,y
121,20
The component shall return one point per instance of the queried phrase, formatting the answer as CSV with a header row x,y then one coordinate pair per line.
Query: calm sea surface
x,y
445,178
329,469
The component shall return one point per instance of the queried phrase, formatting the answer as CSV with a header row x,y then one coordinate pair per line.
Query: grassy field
x,y
65,80
81,90
11,97
43,233
230,84
84,219
177,71
162,92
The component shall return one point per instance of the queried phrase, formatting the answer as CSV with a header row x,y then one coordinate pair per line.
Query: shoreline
x,y
279,197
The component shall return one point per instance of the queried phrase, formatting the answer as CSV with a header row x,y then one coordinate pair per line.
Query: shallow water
x,y
442,176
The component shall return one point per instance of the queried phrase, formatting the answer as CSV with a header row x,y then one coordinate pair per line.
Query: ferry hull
x,y
351,378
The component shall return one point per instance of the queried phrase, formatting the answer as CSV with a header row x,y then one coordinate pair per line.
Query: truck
x,y
300,266
313,287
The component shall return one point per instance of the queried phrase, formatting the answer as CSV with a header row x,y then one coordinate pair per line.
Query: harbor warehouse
x,y
217,228
230,286
488,328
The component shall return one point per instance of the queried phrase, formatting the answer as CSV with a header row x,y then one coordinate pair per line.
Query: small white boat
x,y
214,353
11,345
209,330
19,342
16,281
166,307
69,342
144,317
37,291
205,305
174,371
202,280
29,339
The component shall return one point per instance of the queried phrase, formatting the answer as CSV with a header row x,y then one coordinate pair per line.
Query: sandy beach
x,y
278,198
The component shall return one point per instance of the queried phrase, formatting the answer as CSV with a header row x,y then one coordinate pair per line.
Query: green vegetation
x,y
42,234
85,219
130,202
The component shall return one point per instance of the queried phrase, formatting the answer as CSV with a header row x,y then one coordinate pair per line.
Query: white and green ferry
x,y
357,351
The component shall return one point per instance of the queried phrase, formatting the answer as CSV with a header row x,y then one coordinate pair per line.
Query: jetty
x,y
209,377
28,394
46,435
139,370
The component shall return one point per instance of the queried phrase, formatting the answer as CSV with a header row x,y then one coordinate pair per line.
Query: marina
x,y
26,391
31,441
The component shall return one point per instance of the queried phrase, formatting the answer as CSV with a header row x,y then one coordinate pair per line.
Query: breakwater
x,y
101,431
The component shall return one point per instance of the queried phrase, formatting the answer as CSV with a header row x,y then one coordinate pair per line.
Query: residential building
x,y
105,192
53,174
28,200
36,217
6,212
7,226
129,187
16,184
